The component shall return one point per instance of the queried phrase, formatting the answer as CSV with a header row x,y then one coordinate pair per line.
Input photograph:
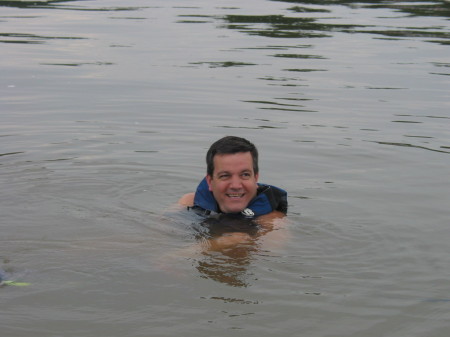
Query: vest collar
x,y
259,205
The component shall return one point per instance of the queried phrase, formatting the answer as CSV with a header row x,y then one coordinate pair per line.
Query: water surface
x,y
108,108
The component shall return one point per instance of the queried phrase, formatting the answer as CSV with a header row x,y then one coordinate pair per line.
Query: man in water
x,y
231,186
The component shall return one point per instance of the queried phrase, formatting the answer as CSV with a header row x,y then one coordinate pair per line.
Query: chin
x,y
237,210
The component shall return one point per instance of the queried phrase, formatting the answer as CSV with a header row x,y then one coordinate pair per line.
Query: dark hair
x,y
230,145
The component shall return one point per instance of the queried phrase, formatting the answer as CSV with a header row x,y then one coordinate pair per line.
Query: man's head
x,y
231,145
232,173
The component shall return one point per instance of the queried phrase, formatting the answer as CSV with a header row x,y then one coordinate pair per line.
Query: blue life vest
x,y
268,198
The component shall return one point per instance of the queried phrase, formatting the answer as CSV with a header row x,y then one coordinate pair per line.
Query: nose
x,y
235,182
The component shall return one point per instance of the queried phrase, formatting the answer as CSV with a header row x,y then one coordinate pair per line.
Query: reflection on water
x,y
280,26
31,38
56,4
228,264
31,4
224,64
416,146
229,267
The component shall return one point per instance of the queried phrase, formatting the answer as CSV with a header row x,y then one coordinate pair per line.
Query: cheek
x,y
251,184
215,186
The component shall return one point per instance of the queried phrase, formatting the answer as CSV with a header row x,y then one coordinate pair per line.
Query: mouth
x,y
235,195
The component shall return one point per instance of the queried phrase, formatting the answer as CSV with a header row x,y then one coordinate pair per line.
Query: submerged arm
x,y
270,222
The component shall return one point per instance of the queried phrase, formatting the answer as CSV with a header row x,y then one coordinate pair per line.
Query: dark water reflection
x,y
60,4
281,26
31,38
32,4
414,7
230,267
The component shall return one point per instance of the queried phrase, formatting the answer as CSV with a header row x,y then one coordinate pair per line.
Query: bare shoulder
x,y
187,199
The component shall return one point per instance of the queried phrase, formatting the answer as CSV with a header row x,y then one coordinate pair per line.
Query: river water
x,y
108,108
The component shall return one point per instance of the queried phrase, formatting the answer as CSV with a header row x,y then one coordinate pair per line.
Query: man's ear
x,y
256,177
208,180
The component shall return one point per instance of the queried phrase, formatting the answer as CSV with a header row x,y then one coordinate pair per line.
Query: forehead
x,y
233,162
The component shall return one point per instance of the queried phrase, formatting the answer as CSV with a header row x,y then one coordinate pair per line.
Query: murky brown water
x,y
107,109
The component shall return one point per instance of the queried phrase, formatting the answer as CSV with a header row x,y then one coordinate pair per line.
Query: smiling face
x,y
233,182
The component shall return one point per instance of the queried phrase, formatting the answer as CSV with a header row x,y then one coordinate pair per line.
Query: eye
x,y
223,176
246,175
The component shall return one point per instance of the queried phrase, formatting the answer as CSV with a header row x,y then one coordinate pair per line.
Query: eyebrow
x,y
228,172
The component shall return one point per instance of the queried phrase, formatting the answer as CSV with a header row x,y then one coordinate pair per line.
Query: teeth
x,y
235,195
